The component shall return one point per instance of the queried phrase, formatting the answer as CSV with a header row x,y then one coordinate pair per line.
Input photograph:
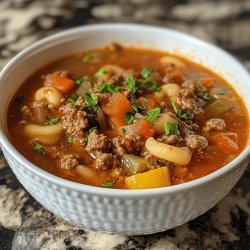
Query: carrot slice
x,y
145,129
61,83
117,105
117,121
151,179
227,142
146,103
207,82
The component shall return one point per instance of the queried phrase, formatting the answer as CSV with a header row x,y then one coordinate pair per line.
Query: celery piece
x,y
134,164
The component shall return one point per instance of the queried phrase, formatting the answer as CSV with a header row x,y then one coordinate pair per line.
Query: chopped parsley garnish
x,y
145,72
152,114
124,131
108,87
51,121
87,58
170,128
88,133
149,83
131,82
91,100
187,115
176,110
108,184
70,139
135,106
92,129
39,148
21,99
205,94
203,88
129,117
79,80
101,72
73,99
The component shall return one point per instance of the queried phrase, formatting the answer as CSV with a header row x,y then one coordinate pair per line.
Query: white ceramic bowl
x,y
128,212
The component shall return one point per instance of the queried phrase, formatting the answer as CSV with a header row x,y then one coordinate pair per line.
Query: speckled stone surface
x,y
25,224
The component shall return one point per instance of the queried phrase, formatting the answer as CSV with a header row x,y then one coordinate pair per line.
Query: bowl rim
x,y
110,192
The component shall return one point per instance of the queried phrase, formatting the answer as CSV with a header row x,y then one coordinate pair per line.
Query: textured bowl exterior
x,y
131,216
130,212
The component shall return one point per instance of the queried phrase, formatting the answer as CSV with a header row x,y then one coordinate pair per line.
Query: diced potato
x,y
218,107
151,179
134,164
159,123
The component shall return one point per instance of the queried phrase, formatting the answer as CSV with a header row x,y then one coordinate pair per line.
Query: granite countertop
x,y
24,223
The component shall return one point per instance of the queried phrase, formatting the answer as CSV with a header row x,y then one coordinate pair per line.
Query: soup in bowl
x,y
158,131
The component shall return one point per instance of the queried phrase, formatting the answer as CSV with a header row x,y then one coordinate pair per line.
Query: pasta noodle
x,y
170,153
169,60
52,95
48,134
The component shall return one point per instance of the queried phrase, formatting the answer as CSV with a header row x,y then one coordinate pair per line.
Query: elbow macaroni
x,y
48,134
173,154
52,95
172,90
111,70
168,60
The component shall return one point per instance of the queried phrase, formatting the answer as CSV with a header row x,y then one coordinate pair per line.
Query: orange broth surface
x,y
128,58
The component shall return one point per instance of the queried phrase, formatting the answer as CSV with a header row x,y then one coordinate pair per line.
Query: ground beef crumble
x,y
98,141
196,141
74,119
68,161
215,124
168,139
127,144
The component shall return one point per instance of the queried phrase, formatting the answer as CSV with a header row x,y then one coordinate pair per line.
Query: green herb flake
x,y
108,87
51,121
39,148
150,83
87,58
79,80
170,128
129,117
73,99
101,72
92,129
152,114
124,131
176,110
108,184
205,95
91,100
70,139
131,82
187,116
134,105
145,72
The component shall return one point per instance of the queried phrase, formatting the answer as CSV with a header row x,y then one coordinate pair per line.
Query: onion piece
x,y
130,129
40,114
101,119
83,88
138,116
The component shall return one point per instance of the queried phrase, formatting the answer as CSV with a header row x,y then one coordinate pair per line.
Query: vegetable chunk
x,y
152,179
